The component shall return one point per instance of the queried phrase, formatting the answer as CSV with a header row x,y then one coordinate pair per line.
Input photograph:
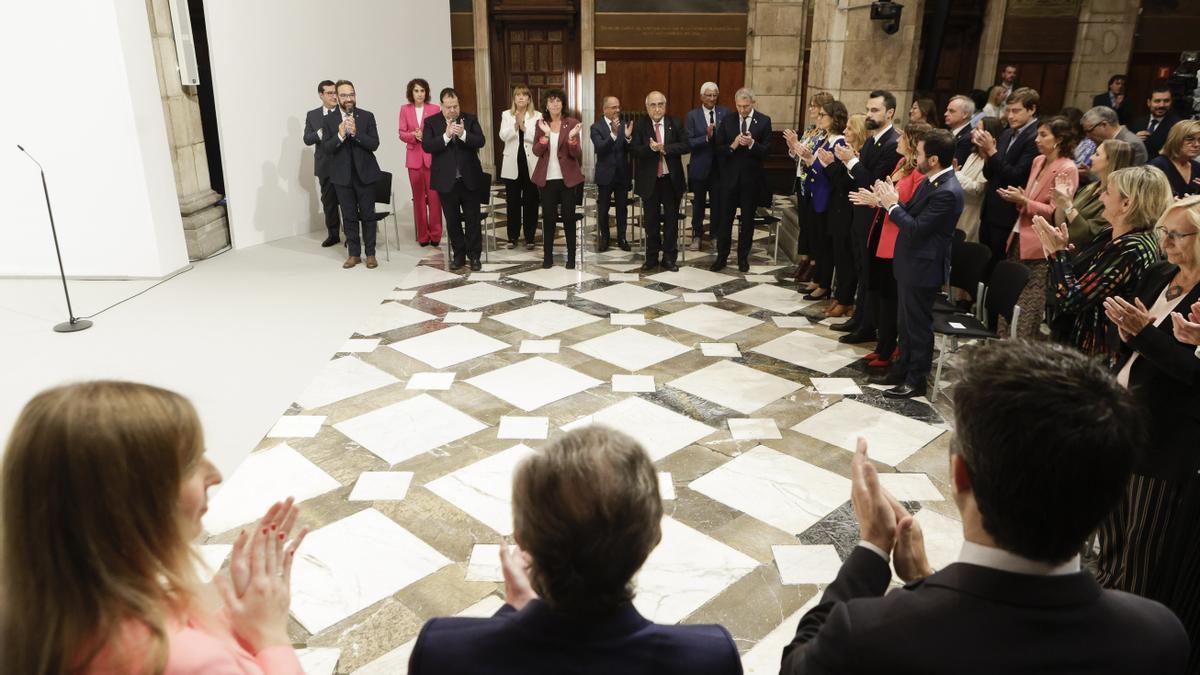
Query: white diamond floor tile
x,y
549,295
833,321
359,345
396,661
765,269
449,346
761,278
496,267
745,429
340,379
692,278
484,276
775,298
318,660
660,431
554,277
619,319
633,383
686,570
463,317
517,255
631,349
777,489
735,386
406,429
430,381
766,655
545,318
910,487
483,490
809,351
943,537
381,486
707,296
621,267
296,426
353,563
666,486
791,321
711,322
626,297
390,316
264,478
832,386
720,349
423,275
474,296
512,426
817,564
484,563
403,295
539,346
624,276
891,438
533,383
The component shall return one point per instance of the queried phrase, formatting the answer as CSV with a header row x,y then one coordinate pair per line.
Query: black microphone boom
x,y
73,324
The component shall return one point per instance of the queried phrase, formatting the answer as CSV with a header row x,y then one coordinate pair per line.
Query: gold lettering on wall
x,y
670,31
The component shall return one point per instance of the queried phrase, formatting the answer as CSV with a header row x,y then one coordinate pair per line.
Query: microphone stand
x,y
74,324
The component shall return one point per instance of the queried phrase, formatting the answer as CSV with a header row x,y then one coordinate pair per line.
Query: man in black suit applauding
x,y
743,140
1154,127
1008,161
959,112
314,133
658,144
1044,443
610,139
922,258
350,140
454,139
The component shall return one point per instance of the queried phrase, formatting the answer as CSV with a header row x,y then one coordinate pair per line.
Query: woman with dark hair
x,y
828,207
1177,159
1086,146
556,144
427,207
923,110
806,264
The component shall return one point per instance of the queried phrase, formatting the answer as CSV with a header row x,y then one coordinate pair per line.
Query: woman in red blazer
x,y
427,208
556,144
1053,167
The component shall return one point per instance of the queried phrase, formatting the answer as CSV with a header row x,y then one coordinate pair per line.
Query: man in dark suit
x,y
743,140
1115,98
1008,161
703,168
314,132
922,257
350,140
569,592
1153,128
659,144
454,139
611,138
959,112
875,162
1016,600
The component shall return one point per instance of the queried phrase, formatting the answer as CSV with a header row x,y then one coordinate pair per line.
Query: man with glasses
x,y
314,133
350,139
1101,123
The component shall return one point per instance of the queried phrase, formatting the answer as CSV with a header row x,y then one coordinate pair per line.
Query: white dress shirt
x,y
877,135
553,170
998,559
420,110
658,136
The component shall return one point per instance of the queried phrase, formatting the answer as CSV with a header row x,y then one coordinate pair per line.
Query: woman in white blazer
x,y
974,183
517,127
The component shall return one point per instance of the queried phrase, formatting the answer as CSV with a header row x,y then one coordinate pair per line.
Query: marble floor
x,y
401,450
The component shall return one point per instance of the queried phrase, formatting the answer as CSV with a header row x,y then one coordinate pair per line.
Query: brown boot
x,y
351,262
372,263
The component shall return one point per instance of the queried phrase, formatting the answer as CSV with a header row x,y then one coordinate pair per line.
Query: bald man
x,y
610,138
659,144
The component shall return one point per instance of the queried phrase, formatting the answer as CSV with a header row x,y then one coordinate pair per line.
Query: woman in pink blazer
x,y
1054,167
427,208
556,144
100,579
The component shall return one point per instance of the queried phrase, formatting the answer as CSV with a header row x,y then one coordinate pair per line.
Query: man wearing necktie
x,y
454,138
742,141
1154,127
314,133
703,168
922,259
610,139
659,144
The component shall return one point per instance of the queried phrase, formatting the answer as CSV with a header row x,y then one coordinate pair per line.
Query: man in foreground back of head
x,y
587,513
1043,447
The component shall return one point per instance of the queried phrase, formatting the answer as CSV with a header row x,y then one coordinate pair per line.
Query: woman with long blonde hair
x,y
104,485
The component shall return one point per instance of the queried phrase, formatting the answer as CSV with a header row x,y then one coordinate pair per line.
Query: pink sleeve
x,y
1046,209
406,133
281,660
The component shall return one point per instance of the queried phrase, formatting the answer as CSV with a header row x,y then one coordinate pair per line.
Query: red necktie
x,y
659,136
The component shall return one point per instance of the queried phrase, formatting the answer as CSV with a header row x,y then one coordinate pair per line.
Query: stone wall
x,y
1103,44
775,57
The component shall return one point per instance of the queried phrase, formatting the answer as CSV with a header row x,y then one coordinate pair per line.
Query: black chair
x,y
968,265
384,195
999,299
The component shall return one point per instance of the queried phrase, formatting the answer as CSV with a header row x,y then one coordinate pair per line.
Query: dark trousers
x,y
329,204
820,245
860,234
996,239
886,302
916,333
521,202
745,198
662,221
555,196
705,193
844,267
358,206
604,196
460,208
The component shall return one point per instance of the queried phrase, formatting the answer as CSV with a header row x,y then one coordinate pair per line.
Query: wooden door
x,y
536,59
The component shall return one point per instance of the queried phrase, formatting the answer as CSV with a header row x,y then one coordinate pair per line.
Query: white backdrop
x,y
267,58
86,103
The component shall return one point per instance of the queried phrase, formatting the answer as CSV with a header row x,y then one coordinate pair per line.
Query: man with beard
x,y
454,139
351,139
1153,128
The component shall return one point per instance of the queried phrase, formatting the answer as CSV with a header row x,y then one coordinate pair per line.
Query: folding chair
x,y
968,265
384,195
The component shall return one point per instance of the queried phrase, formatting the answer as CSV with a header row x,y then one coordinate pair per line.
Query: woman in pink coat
x,y
427,208
97,565
1054,167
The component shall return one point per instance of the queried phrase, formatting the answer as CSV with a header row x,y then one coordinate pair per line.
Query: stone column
x,y
587,76
851,55
989,44
483,83
205,227
1103,44
775,58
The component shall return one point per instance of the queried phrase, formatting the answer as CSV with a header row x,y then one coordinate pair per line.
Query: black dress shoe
x,y
649,265
602,246
856,337
624,245
435,243
814,296
547,263
890,378
743,266
457,263
846,326
476,265
904,391
331,240
423,243
570,263
717,266
671,266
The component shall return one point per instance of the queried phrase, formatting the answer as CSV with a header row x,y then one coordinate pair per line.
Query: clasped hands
x,y
1054,239
1130,319
1013,194
348,127
742,141
884,522
456,128
1187,329
985,140
881,195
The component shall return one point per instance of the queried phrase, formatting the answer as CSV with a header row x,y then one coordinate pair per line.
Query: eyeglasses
x,y
1192,140
1174,237
657,105
1088,130
350,95
822,114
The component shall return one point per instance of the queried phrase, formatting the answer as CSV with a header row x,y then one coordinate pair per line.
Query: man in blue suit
x,y
587,512
922,260
743,141
703,169
611,139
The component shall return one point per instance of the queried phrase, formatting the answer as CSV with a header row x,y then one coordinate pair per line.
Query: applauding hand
x,y
845,153
573,135
259,615
544,127
1129,319
514,563
824,156
985,140
1187,329
886,192
1054,239
1013,194
864,197
872,505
